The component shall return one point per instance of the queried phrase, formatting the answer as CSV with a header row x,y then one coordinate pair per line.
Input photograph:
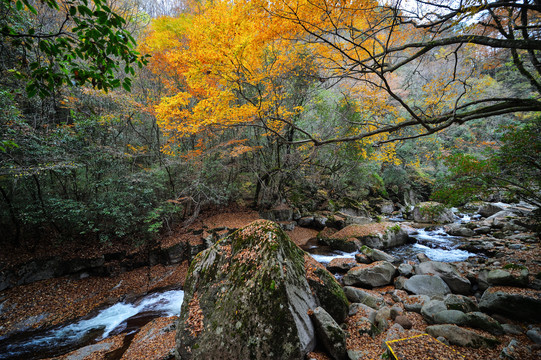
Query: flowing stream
x,y
119,318
124,317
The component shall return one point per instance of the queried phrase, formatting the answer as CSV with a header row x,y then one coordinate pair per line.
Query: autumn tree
x,y
464,39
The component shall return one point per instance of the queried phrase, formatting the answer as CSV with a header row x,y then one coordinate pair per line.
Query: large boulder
x,y
327,291
448,272
375,235
247,297
426,285
516,303
376,274
432,212
489,209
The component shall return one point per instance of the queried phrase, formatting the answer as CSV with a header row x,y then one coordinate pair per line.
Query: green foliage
x,y
515,167
89,45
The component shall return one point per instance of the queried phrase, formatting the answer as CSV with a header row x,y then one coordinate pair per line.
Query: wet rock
x,y
431,308
415,302
422,257
448,273
432,212
426,285
377,255
341,264
450,317
460,336
330,333
523,304
247,296
362,259
363,297
376,274
459,230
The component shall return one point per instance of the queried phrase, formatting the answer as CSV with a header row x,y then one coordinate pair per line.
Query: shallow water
x,y
118,318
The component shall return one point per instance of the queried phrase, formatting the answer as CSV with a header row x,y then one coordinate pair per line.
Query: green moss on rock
x,y
253,299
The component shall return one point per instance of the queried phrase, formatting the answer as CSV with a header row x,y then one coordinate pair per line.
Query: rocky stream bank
x,y
485,306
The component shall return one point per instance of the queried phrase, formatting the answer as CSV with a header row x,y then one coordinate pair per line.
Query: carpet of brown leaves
x,y
55,301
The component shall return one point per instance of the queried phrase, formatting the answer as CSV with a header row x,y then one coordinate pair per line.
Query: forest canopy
x,y
123,117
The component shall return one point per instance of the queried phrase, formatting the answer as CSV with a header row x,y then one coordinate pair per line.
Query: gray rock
x,y
278,213
86,351
377,255
363,310
448,272
359,296
459,230
432,212
383,318
374,235
422,257
376,274
330,333
512,329
460,302
482,230
450,317
534,335
511,351
431,308
245,295
328,292
522,304
415,302
366,326
405,269
506,278
426,285
306,221
399,282
482,321
395,332
358,354
461,337
489,209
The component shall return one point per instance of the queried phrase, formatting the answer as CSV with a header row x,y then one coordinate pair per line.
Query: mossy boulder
x,y
327,291
248,297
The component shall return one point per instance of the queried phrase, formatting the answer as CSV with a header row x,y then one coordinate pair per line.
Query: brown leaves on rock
x,y
195,317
